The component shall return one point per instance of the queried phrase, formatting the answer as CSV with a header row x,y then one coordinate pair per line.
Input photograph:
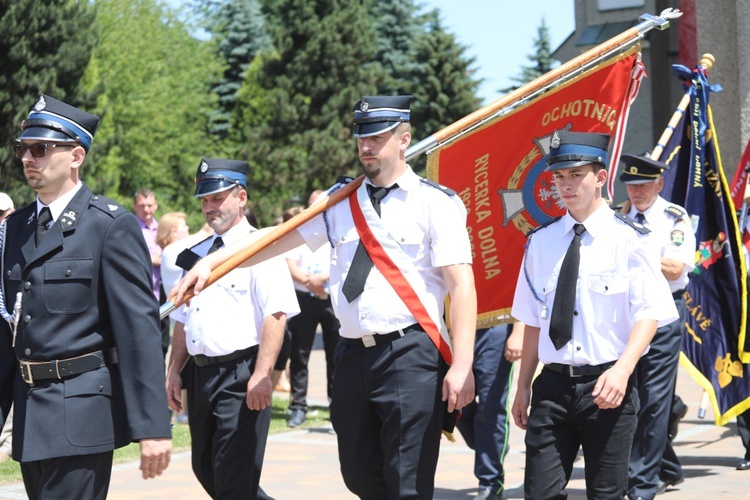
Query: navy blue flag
x,y
716,297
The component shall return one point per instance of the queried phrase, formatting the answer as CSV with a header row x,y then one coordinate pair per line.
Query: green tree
x,y
293,116
541,59
445,88
44,48
239,32
153,84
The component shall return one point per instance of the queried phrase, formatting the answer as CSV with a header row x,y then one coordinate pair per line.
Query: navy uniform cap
x,y
376,114
54,120
641,169
215,175
573,149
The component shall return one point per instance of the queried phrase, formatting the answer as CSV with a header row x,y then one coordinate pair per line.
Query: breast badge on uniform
x,y
112,208
678,237
530,188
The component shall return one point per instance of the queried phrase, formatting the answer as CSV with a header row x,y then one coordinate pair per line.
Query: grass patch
x,y
10,470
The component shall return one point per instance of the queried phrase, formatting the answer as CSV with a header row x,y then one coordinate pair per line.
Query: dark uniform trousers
x,y
313,311
484,422
387,413
564,418
743,427
81,476
228,439
656,375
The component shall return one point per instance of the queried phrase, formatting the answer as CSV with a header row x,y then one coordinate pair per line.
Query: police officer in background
x,y
592,295
672,236
83,358
390,386
233,331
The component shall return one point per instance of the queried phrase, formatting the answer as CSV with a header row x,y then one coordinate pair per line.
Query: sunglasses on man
x,y
39,149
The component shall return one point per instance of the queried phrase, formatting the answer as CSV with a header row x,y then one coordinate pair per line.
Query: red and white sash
x,y
399,270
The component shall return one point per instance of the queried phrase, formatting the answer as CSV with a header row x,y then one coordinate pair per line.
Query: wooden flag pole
x,y
497,108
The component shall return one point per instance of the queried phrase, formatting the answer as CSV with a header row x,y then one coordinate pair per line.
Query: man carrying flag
x,y
672,237
399,246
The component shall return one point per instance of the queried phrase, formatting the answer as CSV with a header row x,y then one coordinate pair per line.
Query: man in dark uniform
x,y
82,357
672,237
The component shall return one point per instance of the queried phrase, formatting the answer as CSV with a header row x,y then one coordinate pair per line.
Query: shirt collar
x,y
593,223
656,206
235,233
153,226
56,207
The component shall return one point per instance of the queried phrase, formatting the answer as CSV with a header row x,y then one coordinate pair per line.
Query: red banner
x,y
739,181
498,170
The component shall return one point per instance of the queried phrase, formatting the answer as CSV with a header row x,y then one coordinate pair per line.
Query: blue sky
x,y
500,33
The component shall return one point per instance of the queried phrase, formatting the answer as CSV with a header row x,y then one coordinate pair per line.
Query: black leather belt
x,y
580,371
201,360
382,338
678,294
62,368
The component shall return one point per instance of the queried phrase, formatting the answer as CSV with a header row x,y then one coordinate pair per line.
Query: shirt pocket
x,y
88,398
67,285
608,294
409,236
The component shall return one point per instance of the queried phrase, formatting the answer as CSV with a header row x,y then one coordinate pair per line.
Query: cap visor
x,y
368,129
44,134
213,187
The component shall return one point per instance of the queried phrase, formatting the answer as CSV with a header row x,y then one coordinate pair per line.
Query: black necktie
x,y
218,243
354,284
45,217
561,322
640,218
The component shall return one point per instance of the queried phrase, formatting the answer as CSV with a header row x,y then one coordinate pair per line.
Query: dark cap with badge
x,y
574,149
53,120
215,175
377,114
641,169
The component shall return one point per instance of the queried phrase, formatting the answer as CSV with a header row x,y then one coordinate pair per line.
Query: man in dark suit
x,y
82,358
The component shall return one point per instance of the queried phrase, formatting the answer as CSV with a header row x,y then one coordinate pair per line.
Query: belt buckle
x,y
26,372
369,340
571,371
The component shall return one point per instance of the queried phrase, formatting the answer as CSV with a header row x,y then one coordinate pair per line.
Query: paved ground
x,y
304,463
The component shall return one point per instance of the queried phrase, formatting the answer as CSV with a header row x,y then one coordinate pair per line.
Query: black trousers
x,y
302,327
656,374
743,427
484,422
228,439
563,418
81,476
387,412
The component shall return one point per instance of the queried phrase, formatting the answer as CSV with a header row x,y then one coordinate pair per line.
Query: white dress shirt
x,y
619,283
428,225
672,236
228,315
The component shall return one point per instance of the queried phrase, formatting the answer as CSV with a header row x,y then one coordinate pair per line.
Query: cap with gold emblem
x,y
574,149
216,174
641,169
376,114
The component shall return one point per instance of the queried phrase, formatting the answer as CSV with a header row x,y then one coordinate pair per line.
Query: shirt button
x,y
362,316
575,313
578,348
27,351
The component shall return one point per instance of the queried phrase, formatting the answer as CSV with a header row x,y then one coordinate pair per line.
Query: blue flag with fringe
x,y
716,296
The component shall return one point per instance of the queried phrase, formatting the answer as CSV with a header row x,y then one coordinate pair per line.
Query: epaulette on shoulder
x,y
675,211
344,179
630,222
107,205
442,188
542,226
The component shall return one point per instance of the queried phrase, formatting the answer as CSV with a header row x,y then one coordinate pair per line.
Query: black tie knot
x,y
640,218
377,193
218,243
45,217
579,229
